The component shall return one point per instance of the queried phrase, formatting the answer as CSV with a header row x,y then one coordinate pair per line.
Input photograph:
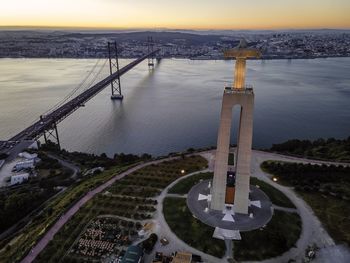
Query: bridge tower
x,y
52,132
150,44
114,67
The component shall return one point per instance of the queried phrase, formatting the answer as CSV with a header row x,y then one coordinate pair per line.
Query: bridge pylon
x,y
150,44
114,67
52,132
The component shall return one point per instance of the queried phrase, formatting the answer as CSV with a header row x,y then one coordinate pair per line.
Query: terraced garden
x,y
131,198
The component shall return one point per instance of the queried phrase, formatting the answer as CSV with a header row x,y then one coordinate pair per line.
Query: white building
x,y
19,178
24,165
28,156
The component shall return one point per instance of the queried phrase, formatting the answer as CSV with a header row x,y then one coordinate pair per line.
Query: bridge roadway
x,y
48,121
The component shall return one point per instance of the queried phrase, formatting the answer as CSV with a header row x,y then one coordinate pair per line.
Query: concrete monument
x,y
237,94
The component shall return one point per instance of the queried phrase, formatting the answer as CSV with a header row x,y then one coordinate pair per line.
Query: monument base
x,y
259,211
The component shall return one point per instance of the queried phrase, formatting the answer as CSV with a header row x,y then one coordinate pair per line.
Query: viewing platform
x,y
247,89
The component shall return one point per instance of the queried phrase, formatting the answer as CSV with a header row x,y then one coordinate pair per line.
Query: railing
x,y
248,89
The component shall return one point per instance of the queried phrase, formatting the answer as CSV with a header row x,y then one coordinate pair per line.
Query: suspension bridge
x,y
46,125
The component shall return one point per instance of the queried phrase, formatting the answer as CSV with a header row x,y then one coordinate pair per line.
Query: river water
x,y
177,105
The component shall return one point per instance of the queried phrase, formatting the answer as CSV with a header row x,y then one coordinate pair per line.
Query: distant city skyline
x,y
181,14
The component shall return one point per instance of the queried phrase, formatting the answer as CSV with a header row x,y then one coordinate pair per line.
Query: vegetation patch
x,y
277,237
189,229
130,204
89,160
275,195
151,180
149,243
32,232
185,185
330,149
333,213
17,203
325,188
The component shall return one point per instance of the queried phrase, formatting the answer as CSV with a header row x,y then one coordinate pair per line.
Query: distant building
x,y
134,254
19,178
24,165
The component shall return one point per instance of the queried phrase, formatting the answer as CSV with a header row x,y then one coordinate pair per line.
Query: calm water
x,y
177,106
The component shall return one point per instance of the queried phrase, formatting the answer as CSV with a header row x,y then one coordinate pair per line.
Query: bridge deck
x,y
37,129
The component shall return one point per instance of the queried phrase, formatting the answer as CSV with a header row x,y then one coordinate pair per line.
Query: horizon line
x,y
166,28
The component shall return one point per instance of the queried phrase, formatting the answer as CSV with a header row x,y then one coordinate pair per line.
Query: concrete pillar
x,y
222,152
243,158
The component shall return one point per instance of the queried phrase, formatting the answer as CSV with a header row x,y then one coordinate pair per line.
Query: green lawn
x,y
185,185
280,234
333,213
275,195
325,188
189,229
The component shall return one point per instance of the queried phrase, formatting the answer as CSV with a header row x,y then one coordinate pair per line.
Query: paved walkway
x,y
162,229
312,230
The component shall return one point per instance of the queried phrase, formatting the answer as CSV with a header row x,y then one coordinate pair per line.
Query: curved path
x,y
65,217
312,230
163,230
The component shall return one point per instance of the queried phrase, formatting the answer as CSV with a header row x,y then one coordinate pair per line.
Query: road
x,y
66,164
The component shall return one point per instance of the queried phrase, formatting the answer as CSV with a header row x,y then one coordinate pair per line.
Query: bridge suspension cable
x,y
98,74
82,86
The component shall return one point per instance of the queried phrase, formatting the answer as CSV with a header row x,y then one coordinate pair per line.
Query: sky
x,y
177,14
